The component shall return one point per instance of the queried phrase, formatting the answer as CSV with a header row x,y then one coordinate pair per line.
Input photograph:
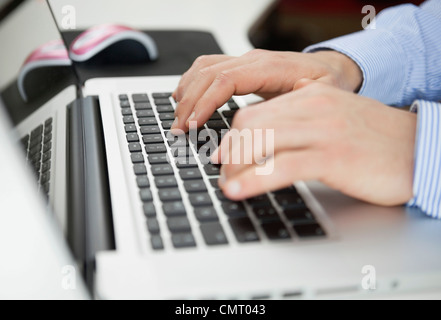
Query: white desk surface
x,y
229,20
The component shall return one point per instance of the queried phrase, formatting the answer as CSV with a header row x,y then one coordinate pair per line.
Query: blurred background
x,y
295,24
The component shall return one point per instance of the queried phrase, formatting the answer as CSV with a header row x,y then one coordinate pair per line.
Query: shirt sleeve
x,y
427,169
400,57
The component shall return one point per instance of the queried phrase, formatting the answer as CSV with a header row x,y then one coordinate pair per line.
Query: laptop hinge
x,y
90,218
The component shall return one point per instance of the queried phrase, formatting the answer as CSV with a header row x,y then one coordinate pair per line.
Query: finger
x,y
197,87
240,80
280,171
200,63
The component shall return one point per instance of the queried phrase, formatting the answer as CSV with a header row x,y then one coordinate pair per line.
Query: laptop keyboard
x,y
38,148
276,216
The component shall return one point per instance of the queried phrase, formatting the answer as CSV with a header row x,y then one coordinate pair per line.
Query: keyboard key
x,y
161,95
143,106
158,158
135,147
288,190
153,225
145,113
48,129
149,209
289,200
178,224
220,195
173,209
276,230
169,194
192,186
299,215
155,148
266,213
130,128
150,130
46,156
156,242
186,162
142,181
162,101
166,124
128,119
45,177
200,199
165,108
165,182
45,167
244,230
162,169
216,124
139,169
190,173
132,137
309,230
205,214
48,122
123,97
167,116
234,209
137,158
181,152
152,138
145,195
214,183
140,97
183,240
126,112
259,201
213,233
215,116
125,104
147,122
229,113
212,169
233,105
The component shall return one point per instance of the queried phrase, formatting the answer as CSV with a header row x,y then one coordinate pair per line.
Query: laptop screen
x,y
33,61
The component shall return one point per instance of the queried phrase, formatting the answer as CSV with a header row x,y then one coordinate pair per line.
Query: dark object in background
x,y
296,24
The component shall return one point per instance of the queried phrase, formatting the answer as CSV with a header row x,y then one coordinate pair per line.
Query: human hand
x,y
213,79
351,143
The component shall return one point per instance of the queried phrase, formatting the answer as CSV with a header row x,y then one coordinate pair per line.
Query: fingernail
x,y
177,107
174,125
190,118
233,187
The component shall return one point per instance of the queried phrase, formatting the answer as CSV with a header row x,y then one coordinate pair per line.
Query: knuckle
x,y
257,53
223,77
202,73
201,61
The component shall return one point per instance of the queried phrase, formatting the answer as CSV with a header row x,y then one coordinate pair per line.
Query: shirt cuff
x,y
427,170
377,53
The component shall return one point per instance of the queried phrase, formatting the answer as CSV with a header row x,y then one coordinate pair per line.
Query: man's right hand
x,y
213,79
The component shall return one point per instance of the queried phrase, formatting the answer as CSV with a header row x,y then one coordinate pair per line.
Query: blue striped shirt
x,y
401,64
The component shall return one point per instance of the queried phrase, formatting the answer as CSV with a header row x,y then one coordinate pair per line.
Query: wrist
x,y
347,73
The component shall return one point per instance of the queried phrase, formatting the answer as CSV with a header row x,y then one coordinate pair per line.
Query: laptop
x,y
143,221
